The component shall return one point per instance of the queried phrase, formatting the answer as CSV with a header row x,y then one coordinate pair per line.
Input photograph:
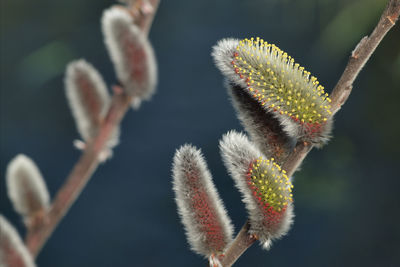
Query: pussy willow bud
x,y
131,53
26,187
13,252
281,86
208,227
88,99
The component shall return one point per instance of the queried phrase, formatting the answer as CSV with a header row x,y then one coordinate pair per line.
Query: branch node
x,y
392,19
118,90
347,91
355,52
146,8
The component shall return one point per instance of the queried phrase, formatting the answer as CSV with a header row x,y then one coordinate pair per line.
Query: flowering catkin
x,y
13,252
265,188
282,87
131,53
26,187
208,227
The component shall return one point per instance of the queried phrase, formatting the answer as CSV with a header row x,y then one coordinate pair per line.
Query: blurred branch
x,y
81,173
141,11
340,93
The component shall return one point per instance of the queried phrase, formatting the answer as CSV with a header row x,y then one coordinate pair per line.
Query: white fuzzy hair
x,y
189,160
26,187
87,122
121,34
12,248
238,153
222,54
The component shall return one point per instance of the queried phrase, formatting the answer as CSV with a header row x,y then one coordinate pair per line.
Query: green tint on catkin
x,y
276,81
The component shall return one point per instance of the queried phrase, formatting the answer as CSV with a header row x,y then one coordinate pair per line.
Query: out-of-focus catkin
x,y
88,99
13,252
26,187
131,53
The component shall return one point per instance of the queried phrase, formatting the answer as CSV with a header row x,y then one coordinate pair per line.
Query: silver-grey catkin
x,y
131,53
26,187
13,252
88,99
207,225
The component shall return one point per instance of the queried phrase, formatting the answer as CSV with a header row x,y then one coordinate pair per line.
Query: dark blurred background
x,y
346,195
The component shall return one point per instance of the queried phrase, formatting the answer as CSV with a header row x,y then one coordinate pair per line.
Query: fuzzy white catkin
x,y
26,187
188,163
88,99
238,153
131,53
13,252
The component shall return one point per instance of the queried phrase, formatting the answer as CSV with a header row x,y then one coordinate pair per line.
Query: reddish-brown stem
x,y
340,93
148,19
141,11
295,158
241,243
81,173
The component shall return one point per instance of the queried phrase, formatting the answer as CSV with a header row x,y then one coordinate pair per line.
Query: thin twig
x,y
340,93
147,12
296,157
81,173
79,176
362,53
141,11
241,243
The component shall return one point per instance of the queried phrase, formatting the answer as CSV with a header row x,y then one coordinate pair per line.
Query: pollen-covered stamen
x,y
271,189
281,85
